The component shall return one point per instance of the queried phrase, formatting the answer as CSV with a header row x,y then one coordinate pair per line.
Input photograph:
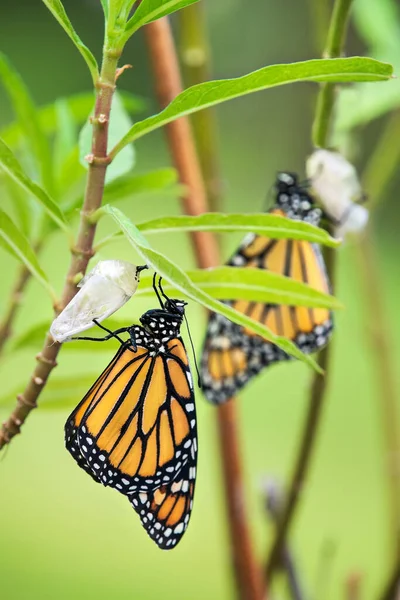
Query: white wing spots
x,y
190,407
178,528
238,260
176,486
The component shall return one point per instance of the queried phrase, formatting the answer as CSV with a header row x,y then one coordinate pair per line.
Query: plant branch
x,y
14,303
195,56
168,85
323,116
333,49
273,504
81,252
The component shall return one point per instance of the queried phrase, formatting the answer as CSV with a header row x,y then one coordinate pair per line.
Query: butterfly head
x,y
175,306
294,200
166,322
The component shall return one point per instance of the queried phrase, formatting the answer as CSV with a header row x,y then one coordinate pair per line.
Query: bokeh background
x,y
63,537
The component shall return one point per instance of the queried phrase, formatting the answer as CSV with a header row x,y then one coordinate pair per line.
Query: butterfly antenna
x,y
156,289
194,353
164,295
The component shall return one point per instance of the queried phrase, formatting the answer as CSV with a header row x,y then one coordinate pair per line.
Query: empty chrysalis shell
x,y
103,291
335,182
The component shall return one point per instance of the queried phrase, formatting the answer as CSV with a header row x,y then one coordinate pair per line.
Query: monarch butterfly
x,y
232,354
135,430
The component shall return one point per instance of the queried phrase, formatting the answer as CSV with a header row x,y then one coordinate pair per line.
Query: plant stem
x,y
83,250
14,303
333,49
380,343
168,85
195,56
323,116
273,504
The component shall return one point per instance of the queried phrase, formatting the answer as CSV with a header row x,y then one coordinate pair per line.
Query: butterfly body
x,y
232,354
135,430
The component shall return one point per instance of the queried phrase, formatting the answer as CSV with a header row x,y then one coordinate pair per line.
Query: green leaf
x,y
210,93
11,165
142,183
379,24
181,281
79,105
273,226
58,12
61,393
119,122
66,134
151,10
21,205
153,182
18,246
36,334
104,4
28,118
255,285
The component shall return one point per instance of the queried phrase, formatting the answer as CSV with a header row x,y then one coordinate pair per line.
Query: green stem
x,y
83,249
333,49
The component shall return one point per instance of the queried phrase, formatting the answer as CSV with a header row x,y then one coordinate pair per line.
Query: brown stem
x,y
195,56
81,253
353,586
386,379
307,444
14,304
273,504
168,86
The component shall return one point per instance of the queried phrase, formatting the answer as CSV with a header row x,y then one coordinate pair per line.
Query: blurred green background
x,y
63,537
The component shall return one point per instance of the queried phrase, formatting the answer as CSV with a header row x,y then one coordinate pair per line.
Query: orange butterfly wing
x,y
135,430
232,355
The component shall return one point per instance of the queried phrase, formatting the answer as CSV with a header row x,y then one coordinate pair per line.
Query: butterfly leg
x,y
111,334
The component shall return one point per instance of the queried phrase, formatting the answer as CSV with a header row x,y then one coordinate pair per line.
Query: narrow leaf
x,y
18,246
21,205
104,4
66,134
210,93
28,118
273,226
58,11
255,285
79,105
150,10
120,121
36,334
153,182
178,278
11,165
